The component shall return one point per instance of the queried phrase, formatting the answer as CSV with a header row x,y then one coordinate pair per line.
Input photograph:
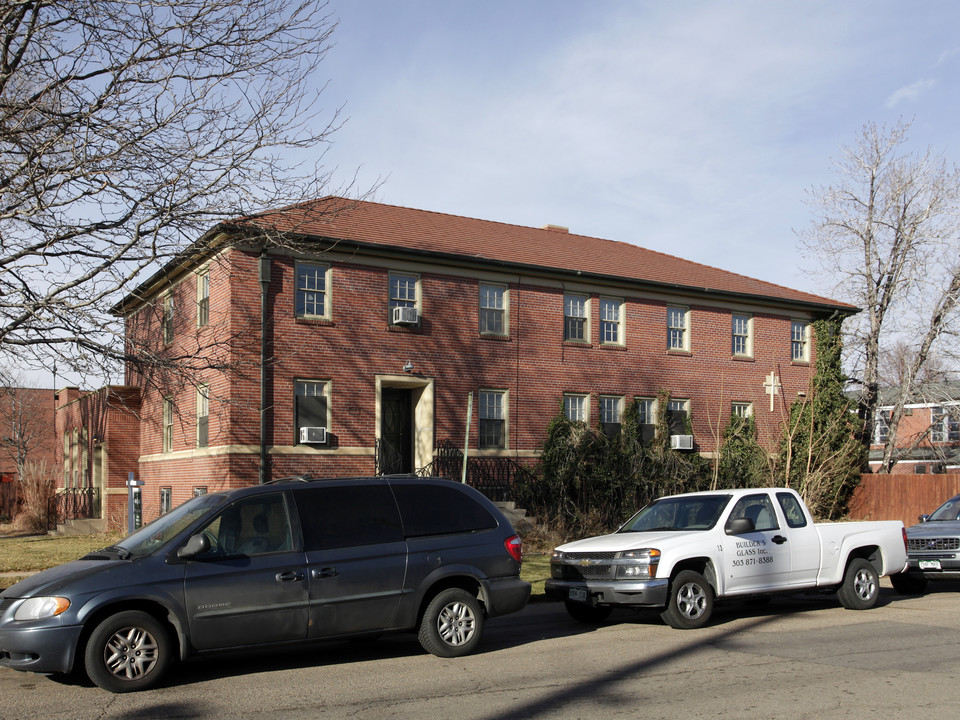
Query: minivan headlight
x,y
40,608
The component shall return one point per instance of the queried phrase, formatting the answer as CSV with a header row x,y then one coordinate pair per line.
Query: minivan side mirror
x,y
739,526
196,545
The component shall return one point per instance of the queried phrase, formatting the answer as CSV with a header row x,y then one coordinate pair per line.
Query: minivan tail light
x,y
514,546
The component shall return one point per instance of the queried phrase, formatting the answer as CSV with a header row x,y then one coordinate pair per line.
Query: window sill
x,y
613,346
323,322
578,343
408,329
679,353
801,363
742,358
493,336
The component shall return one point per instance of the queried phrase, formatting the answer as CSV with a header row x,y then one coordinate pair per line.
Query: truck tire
x,y
860,587
587,614
128,651
690,603
907,583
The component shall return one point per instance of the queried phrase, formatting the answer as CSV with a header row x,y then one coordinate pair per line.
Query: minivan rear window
x,y
439,510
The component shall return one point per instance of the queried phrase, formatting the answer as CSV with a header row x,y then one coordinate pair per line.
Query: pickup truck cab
x,y
682,551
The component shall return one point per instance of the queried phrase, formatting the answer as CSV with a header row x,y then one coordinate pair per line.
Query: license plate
x,y
929,564
578,594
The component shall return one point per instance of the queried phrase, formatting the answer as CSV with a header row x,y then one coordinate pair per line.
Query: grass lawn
x,y
29,553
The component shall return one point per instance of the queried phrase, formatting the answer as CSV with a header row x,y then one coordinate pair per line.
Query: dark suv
x,y
292,561
933,549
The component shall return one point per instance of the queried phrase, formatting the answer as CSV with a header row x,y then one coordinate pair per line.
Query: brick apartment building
x,y
376,324
928,434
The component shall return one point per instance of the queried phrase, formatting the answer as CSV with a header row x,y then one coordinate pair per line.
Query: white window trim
x,y
327,393
203,276
327,290
747,406
805,341
505,411
686,328
505,310
586,317
653,407
619,401
621,326
749,336
585,397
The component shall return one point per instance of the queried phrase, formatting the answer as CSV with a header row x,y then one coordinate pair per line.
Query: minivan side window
x,y
439,510
347,516
252,526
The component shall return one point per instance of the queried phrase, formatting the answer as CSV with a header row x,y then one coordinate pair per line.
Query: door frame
x,y
423,415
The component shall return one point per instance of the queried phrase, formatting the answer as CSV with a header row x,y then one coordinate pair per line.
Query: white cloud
x,y
910,92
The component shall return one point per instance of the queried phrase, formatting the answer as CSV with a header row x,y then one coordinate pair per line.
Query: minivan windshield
x,y
950,510
157,533
688,512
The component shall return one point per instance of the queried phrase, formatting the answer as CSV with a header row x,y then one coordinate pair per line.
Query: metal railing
x,y
73,504
494,477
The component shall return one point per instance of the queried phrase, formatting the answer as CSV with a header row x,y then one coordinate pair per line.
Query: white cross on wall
x,y
772,386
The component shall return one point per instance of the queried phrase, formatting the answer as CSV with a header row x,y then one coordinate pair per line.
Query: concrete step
x,y
91,526
517,516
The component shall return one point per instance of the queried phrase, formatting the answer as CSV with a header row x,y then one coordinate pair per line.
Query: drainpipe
x,y
263,268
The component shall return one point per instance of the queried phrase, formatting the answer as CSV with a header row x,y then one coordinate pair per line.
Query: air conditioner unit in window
x,y
681,442
405,316
315,435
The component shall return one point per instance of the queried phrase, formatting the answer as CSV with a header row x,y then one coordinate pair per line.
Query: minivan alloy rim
x,y
456,623
130,653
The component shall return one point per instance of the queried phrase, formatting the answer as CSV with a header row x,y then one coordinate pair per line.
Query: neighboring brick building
x,y
379,321
928,434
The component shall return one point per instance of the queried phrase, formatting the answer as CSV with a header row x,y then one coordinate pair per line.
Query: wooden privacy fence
x,y
901,497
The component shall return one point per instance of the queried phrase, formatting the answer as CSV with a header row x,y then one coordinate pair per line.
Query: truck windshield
x,y
950,510
151,536
690,512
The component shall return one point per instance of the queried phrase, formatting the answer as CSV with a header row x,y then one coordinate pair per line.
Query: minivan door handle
x,y
289,576
326,572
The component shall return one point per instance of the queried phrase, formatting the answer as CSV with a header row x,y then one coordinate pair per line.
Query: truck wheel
x,y
127,651
451,624
587,614
690,603
907,583
861,586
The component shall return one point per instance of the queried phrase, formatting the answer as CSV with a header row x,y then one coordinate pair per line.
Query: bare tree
x,y
888,234
896,359
127,128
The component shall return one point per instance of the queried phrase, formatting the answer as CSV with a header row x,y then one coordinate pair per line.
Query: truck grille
x,y
921,544
587,566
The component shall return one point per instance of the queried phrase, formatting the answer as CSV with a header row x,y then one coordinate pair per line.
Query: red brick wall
x,y
533,364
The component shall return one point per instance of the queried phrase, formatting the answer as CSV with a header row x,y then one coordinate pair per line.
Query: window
x,y
575,318
611,414
203,297
677,336
799,345
492,413
741,409
418,508
492,310
742,337
403,291
311,291
348,516
759,509
792,510
199,490
311,409
167,424
575,407
167,321
610,325
946,424
647,418
203,415
881,427
677,412
166,500
253,526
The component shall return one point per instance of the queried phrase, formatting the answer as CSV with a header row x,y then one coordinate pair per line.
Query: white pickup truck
x,y
681,551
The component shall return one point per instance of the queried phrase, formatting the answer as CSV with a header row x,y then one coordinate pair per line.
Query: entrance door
x,y
396,431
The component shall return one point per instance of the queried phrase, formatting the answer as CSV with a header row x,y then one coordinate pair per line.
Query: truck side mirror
x,y
923,518
739,526
196,545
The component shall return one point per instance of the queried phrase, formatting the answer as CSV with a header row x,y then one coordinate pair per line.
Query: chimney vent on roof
x,y
556,228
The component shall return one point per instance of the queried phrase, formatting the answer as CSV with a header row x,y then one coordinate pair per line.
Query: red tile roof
x,y
406,229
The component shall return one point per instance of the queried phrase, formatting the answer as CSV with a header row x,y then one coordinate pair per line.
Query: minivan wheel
x,y
127,651
451,624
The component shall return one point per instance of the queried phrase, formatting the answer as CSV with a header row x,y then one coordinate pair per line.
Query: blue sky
x,y
692,128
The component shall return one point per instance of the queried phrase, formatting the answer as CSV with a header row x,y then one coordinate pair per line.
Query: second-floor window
x,y
611,331
575,318
678,336
492,413
311,300
166,500
881,427
492,310
799,341
740,329
167,322
403,292
203,297
946,424
167,424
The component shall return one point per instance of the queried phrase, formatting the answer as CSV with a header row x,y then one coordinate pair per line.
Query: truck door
x,y
758,560
803,539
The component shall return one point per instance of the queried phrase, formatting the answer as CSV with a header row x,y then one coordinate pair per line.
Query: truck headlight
x,y
40,608
637,564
